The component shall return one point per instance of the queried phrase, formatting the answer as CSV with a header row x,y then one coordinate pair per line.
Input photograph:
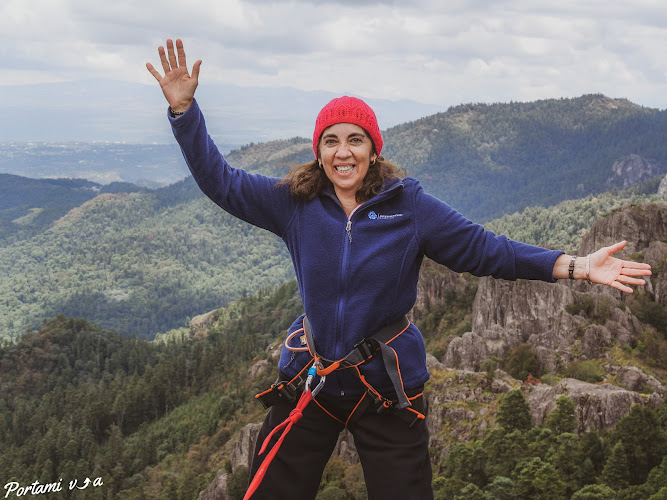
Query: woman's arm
x,y
601,267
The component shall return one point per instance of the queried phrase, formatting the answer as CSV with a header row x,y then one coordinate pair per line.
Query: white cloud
x,y
464,51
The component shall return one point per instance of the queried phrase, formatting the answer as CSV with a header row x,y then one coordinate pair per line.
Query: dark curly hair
x,y
307,181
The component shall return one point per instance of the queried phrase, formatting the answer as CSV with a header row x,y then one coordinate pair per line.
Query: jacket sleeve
x,y
256,199
448,238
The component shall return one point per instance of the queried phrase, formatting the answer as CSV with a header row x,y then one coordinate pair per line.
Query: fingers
x,y
616,247
171,54
195,70
621,287
153,72
181,53
637,271
631,281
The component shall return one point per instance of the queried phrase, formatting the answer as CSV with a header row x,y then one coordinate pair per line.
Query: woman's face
x,y
346,152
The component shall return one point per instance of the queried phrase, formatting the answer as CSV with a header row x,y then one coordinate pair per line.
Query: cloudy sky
x,y
442,52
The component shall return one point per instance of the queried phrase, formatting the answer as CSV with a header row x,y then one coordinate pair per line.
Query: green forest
x,y
488,160
78,401
137,264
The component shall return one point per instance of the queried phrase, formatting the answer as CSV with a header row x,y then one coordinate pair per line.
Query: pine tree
x,y
644,440
563,418
514,413
595,492
615,473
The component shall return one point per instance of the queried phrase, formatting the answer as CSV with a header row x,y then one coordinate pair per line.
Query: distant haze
x,y
99,110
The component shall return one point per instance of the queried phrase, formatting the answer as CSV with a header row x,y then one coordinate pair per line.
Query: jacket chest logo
x,y
372,215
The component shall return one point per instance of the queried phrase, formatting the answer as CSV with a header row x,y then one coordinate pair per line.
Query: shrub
x,y
586,371
521,362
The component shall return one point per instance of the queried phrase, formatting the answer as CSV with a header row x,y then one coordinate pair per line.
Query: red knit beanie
x,y
348,110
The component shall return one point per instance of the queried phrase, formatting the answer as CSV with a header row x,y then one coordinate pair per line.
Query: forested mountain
x,y
487,160
138,262
146,261
30,206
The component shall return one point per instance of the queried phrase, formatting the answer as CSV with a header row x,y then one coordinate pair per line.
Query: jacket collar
x,y
391,188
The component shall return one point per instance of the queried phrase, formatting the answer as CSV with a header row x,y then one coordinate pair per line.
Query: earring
x,y
319,162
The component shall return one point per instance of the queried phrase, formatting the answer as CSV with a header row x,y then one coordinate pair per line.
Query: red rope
x,y
294,416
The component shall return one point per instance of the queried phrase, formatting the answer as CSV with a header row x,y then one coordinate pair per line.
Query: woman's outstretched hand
x,y
177,85
609,270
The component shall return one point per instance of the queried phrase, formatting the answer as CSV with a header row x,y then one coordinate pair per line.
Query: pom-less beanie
x,y
348,110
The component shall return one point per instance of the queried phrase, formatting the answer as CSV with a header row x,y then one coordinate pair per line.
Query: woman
x,y
357,232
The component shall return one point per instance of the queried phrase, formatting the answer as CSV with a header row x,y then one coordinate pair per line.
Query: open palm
x,y
177,85
609,270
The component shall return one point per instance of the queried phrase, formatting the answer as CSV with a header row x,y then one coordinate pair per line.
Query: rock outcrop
x,y
436,285
644,227
506,314
598,407
243,447
662,189
217,490
631,169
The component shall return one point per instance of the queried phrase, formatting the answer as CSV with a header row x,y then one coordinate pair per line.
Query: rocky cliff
x,y
631,169
570,322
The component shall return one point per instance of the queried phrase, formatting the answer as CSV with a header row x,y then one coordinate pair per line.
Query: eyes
x,y
332,141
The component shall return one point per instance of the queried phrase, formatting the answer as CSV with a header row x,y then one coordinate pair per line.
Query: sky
x,y
439,52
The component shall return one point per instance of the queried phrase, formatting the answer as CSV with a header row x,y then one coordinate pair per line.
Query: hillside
x,y
145,262
30,206
140,262
487,160
175,417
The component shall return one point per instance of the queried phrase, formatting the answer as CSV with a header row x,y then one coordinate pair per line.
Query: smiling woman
x,y
370,360
347,143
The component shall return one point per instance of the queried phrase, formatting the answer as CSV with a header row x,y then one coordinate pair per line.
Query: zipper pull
x,y
348,228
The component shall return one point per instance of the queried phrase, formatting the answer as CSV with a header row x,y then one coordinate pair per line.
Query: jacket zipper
x,y
343,275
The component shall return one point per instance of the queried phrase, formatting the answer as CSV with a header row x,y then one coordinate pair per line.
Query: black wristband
x,y
174,114
571,268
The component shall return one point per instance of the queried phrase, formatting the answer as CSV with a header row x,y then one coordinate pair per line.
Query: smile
x,y
343,169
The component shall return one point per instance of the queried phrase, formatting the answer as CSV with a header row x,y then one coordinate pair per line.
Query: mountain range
x,y
144,261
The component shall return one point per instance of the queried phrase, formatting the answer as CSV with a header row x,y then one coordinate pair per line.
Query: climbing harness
x,y
363,352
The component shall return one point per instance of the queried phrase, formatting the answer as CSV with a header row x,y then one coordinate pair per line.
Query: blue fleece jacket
x,y
357,275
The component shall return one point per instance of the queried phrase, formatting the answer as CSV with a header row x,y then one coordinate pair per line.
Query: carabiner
x,y
312,372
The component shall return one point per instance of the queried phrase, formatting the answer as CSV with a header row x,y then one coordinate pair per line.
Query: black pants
x,y
393,455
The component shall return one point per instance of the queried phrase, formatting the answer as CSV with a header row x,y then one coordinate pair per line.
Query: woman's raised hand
x,y
177,85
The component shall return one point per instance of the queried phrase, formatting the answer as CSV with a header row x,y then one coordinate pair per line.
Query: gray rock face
x,y
217,490
598,406
506,314
631,169
662,189
435,283
635,379
244,447
258,368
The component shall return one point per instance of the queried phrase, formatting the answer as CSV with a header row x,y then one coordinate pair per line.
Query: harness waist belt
x,y
365,350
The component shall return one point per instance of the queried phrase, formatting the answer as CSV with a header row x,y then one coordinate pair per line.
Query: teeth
x,y
344,169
